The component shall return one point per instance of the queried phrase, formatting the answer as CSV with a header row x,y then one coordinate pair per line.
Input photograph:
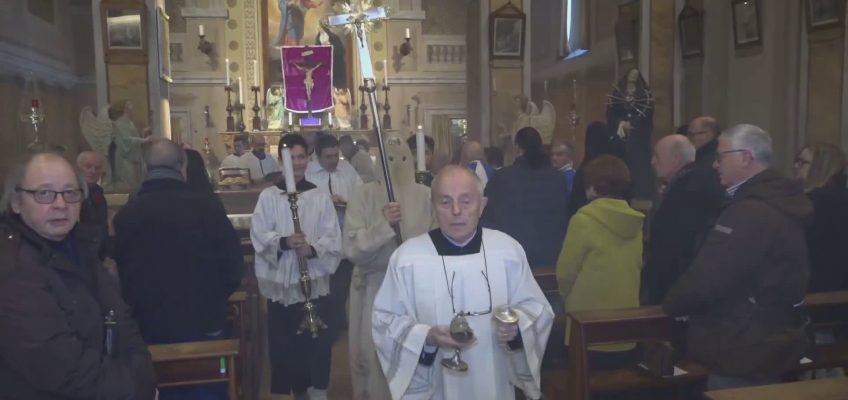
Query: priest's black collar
x,y
445,248
301,186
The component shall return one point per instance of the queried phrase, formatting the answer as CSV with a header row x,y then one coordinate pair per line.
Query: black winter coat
x,y
179,260
827,238
689,206
741,291
52,332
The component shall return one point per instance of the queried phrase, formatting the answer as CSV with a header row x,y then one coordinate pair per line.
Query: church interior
x,y
109,76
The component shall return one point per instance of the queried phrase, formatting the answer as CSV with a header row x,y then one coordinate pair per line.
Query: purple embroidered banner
x,y
308,69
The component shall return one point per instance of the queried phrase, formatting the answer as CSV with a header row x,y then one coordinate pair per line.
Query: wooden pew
x,y
820,389
196,363
643,324
827,311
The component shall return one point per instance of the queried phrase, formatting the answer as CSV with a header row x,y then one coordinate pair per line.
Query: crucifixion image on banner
x,y
308,78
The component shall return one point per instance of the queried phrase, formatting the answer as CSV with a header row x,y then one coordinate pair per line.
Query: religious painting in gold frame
x,y
305,24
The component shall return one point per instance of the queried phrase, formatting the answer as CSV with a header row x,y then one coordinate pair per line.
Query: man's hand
x,y
339,201
304,251
505,332
391,212
440,336
296,240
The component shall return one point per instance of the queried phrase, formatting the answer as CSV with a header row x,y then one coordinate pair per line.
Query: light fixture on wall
x,y
406,46
204,45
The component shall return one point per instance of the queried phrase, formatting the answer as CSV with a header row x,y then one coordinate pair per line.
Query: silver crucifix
x,y
358,20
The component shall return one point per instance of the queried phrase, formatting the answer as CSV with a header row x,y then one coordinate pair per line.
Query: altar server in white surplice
x,y
460,268
369,241
300,364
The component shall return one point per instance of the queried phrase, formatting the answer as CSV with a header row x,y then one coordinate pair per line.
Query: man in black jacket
x,y
65,333
744,290
94,210
703,131
177,252
691,200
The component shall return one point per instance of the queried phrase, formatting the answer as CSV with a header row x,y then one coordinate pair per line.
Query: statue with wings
x,y
97,130
112,134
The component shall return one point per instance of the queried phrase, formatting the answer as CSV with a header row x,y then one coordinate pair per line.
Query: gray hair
x,y
684,149
16,175
162,153
751,138
81,156
450,170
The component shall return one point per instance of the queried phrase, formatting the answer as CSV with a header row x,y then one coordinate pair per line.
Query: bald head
x,y
458,199
91,165
703,130
472,151
163,154
671,154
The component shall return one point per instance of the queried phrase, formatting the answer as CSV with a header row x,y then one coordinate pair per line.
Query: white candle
x,y
288,170
385,72
290,119
419,149
407,33
331,119
200,30
227,68
255,73
241,92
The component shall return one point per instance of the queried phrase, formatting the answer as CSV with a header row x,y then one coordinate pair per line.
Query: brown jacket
x,y
52,331
742,289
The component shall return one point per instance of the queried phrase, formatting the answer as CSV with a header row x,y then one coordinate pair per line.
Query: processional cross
x,y
357,21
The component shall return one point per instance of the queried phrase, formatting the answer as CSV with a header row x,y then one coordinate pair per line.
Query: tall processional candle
x,y
227,69
288,170
385,72
241,92
419,149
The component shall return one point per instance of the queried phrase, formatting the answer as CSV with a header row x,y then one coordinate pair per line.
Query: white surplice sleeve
x,y
264,232
399,337
365,233
326,239
535,320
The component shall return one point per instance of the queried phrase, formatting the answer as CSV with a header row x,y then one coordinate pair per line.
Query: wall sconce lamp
x,y
406,46
204,46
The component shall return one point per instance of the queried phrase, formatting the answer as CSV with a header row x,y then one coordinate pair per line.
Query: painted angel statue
x,y
97,130
274,108
528,114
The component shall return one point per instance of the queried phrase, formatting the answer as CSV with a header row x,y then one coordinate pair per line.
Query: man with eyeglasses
x,y
460,270
744,290
703,132
65,332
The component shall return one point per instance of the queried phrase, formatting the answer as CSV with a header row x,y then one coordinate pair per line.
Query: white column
x,y
485,75
99,62
645,41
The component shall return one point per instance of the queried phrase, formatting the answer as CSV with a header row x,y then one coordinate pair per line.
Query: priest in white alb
x,y
460,269
369,241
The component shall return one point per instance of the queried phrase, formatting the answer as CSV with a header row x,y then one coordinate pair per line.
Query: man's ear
x,y
483,202
16,203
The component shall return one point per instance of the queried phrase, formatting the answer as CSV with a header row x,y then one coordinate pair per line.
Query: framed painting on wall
x,y
627,31
823,14
690,22
506,33
746,23
124,33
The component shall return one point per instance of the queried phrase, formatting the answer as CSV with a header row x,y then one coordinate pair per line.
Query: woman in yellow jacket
x,y
601,259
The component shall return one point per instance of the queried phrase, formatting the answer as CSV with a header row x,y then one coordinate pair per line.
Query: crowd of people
x,y
731,247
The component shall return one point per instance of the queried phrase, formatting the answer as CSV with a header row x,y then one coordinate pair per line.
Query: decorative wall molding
x,y
21,61
407,15
188,80
196,12
429,80
251,44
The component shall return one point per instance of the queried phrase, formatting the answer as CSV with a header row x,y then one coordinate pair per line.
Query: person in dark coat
x,y
598,141
178,255
95,210
703,131
197,178
528,201
690,202
821,169
56,297
744,289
